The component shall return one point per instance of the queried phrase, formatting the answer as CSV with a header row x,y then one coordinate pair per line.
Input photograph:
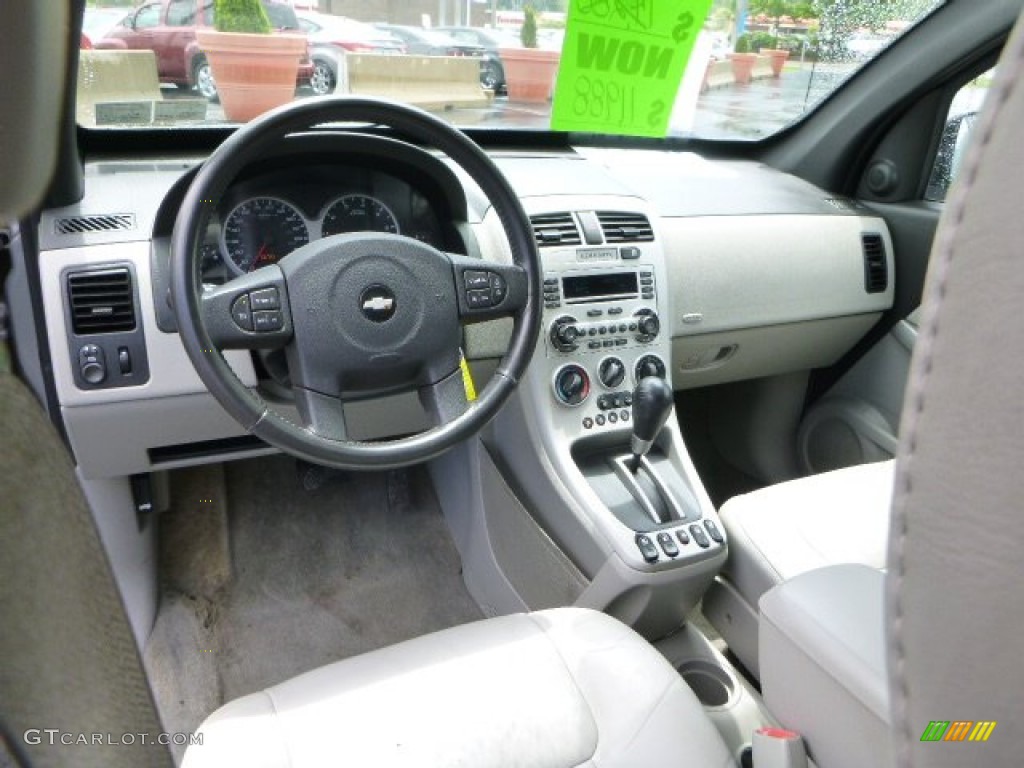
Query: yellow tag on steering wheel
x,y
467,379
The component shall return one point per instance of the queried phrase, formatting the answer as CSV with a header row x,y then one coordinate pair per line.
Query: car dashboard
x,y
751,273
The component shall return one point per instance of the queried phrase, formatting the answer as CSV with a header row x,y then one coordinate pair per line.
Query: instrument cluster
x,y
263,219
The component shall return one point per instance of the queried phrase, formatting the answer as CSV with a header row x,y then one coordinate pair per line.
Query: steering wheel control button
x,y
265,298
713,531
480,299
241,312
476,279
267,321
498,288
378,303
698,535
647,548
667,545
92,364
572,385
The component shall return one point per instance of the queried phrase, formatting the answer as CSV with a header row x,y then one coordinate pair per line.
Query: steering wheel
x,y
358,315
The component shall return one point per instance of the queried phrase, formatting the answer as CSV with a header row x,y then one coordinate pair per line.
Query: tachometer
x,y
358,213
262,231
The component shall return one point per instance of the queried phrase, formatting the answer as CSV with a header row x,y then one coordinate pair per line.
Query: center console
x,y
639,531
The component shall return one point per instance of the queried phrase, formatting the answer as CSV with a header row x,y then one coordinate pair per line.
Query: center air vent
x,y
75,225
101,301
622,227
555,229
876,272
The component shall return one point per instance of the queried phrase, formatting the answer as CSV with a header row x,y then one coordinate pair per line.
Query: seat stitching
x,y
903,486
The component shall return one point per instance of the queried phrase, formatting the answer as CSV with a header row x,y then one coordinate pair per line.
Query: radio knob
x,y
564,333
648,325
611,372
572,385
649,365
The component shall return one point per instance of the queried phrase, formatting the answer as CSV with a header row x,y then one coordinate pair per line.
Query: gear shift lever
x,y
652,403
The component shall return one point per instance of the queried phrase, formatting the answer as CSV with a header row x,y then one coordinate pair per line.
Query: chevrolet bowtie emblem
x,y
377,303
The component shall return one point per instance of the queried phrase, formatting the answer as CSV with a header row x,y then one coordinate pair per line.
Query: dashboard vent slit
x,y
625,227
75,225
101,301
876,271
555,229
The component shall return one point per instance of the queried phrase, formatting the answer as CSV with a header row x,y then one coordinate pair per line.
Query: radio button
x,y
615,310
594,313
628,252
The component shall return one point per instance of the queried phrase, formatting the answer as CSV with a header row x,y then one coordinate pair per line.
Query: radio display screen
x,y
604,284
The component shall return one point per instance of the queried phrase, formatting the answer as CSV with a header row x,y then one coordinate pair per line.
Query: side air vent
x,y
101,301
76,225
876,273
625,227
555,229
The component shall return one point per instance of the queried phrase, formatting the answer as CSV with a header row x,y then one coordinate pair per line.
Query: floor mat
x,y
361,562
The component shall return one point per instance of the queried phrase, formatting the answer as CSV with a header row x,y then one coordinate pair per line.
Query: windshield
x,y
711,69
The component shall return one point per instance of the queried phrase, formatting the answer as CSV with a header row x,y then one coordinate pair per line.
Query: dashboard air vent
x,y
876,273
101,301
76,225
555,229
622,227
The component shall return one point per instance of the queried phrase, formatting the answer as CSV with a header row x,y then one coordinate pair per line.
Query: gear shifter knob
x,y
652,403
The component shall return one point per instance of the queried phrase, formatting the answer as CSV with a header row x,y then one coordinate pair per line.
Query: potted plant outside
x,y
529,71
742,61
255,70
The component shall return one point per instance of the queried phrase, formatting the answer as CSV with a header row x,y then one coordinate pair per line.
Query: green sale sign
x,y
622,63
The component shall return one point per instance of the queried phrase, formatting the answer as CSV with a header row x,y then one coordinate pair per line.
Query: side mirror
x,y
952,146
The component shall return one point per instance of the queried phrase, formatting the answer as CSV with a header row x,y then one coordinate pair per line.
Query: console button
x,y
267,321
124,360
698,535
647,548
683,536
620,342
599,420
572,385
649,365
667,545
612,372
588,423
476,279
613,417
615,310
602,402
624,415
628,252
594,313
265,298
91,364
713,531
241,312
594,344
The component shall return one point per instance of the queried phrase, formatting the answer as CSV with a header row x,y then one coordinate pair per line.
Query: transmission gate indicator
x,y
622,64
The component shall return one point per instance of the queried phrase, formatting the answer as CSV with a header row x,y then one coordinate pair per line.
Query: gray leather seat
x,y
781,531
565,687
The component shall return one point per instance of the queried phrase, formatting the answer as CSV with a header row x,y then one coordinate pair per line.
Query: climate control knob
x,y
648,324
650,365
572,385
611,372
564,333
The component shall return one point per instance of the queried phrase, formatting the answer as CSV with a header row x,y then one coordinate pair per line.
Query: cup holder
x,y
712,685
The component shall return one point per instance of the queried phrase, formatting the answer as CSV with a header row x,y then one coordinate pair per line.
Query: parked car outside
x,y
168,28
493,41
331,37
98,21
430,42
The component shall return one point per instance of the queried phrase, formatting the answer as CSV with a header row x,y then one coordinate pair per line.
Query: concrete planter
x,y
778,58
529,73
742,66
254,73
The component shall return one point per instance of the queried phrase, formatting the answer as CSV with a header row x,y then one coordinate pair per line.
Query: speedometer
x,y
262,231
358,213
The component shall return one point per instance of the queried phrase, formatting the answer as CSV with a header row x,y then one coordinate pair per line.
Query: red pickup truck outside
x,y
168,28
